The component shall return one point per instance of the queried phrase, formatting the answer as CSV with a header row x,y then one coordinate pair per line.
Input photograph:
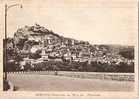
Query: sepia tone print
x,y
70,46
36,51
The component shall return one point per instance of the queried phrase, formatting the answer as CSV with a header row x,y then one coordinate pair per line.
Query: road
x,y
33,82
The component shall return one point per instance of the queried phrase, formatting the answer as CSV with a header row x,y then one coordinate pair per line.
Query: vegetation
x,y
73,66
127,52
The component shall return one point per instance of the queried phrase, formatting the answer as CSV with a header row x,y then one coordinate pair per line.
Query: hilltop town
x,y
37,48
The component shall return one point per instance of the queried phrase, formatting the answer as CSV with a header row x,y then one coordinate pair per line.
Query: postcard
x,y
66,49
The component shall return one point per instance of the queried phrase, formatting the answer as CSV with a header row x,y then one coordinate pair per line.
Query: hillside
x,y
37,44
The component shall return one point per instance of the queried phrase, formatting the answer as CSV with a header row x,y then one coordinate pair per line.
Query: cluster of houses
x,y
57,48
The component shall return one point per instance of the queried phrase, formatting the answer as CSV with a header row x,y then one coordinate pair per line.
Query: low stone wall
x,y
86,75
102,76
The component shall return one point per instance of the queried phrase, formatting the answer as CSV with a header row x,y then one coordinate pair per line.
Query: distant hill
x,y
48,50
30,36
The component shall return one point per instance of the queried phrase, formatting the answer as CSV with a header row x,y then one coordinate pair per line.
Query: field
x,y
72,81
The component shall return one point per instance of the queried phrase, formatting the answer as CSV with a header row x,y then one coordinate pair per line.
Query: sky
x,y
96,21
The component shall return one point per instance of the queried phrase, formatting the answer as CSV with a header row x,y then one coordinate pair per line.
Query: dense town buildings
x,y
37,44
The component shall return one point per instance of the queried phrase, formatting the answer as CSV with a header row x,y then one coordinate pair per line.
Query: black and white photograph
x,y
69,45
